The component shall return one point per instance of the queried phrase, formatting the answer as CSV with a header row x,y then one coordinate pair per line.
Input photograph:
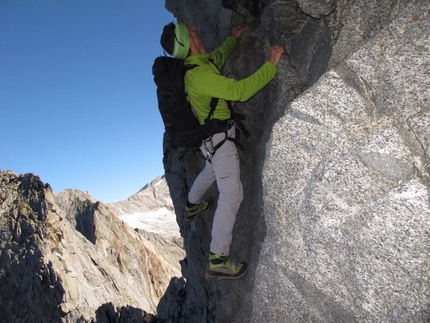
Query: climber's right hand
x,y
275,54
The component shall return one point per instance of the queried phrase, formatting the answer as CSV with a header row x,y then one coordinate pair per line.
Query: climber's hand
x,y
275,54
237,31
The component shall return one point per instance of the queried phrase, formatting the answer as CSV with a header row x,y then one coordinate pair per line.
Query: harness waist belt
x,y
214,126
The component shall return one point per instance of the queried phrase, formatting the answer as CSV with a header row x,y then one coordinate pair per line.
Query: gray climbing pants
x,y
224,168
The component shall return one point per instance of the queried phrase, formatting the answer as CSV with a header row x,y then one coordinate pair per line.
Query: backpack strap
x,y
214,103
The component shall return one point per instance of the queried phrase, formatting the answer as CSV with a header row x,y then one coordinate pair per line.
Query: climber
x,y
203,83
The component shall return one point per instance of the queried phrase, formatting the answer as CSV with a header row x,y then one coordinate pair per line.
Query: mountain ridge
x,y
78,247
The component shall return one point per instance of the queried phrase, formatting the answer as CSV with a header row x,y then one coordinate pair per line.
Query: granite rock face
x,y
68,258
335,223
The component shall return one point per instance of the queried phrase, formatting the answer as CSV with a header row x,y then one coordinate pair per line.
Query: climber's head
x,y
175,40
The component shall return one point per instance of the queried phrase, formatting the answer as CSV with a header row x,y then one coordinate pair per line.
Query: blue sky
x,y
77,97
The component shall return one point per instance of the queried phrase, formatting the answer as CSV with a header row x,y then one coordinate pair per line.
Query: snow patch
x,y
158,183
161,221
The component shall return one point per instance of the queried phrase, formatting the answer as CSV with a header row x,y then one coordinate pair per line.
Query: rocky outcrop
x,y
68,258
335,221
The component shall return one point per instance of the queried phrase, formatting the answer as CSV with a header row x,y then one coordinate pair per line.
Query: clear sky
x,y
77,97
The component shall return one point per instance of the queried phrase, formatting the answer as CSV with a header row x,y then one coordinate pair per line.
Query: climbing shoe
x,y
192,212
219,267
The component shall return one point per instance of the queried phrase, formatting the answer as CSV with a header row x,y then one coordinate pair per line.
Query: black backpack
x,y
180,123
179,120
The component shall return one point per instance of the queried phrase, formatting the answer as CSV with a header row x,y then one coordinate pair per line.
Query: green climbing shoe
x,y
219,267
192,212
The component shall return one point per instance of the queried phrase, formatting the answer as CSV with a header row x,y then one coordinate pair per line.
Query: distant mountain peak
x,y
155,182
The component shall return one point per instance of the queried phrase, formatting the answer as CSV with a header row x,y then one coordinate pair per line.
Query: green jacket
x,y
205,82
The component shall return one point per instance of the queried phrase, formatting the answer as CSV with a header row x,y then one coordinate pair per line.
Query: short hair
x,y
168,38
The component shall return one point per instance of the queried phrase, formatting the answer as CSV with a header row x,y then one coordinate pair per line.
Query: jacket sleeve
x,y
223,52
215,85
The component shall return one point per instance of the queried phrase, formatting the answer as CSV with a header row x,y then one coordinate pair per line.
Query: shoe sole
x,y
210,277
213,275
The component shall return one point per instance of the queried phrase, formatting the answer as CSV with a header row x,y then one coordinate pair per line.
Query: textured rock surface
x,y
69,258
336,218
